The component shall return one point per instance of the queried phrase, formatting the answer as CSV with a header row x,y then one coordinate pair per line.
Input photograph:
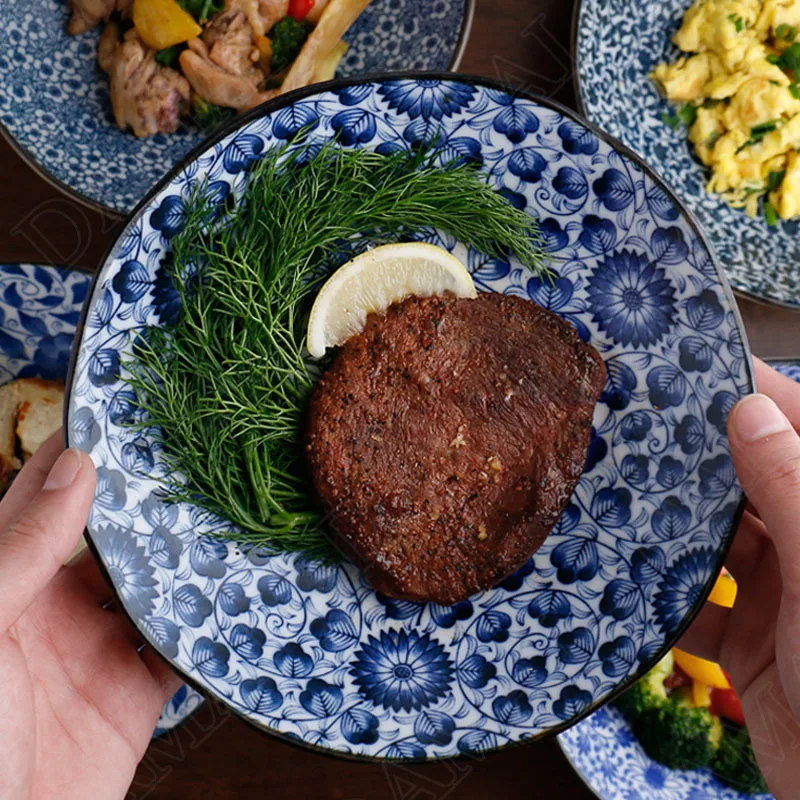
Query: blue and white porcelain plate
x,y
617,44
40,307
311,652
55,107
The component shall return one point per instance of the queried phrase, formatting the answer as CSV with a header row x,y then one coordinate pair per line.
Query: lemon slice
x,y
373,281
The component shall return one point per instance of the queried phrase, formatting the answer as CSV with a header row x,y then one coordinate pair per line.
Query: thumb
x,y
36,543
766,454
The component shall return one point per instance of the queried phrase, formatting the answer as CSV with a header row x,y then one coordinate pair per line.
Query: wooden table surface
x,y
214,755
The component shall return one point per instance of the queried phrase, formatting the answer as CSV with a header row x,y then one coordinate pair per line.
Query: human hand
x,y
78,700
758,640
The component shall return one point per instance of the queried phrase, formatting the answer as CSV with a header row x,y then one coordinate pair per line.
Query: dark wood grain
x,y
522,42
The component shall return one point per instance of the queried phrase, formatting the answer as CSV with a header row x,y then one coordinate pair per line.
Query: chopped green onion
x,y
775,180
770,214
795,90
790,57
782,30
687,114
670,119
760,131
737,22
773,59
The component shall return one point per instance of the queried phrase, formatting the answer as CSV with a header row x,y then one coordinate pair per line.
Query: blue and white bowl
x,y
55,108
310,652
617,43
40,307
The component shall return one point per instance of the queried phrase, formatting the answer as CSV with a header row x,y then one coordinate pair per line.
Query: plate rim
x,y
488,83
92,203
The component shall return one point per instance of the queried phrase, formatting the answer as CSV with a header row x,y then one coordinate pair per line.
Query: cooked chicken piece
x,y
9,463
229,39
145,96
39,411
87,13
271,11
107,46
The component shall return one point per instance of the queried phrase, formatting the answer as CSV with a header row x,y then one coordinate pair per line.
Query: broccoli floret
x,y
207,115
735,762
648,692
287,38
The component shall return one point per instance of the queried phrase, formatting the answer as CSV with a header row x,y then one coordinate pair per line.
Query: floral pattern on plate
x,y
617,44
311,651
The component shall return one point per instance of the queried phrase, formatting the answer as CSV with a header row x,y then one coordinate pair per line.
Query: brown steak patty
x,y
446,439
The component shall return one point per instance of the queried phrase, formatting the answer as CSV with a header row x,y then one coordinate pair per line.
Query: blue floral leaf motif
x,y
636,426
164,548
577,139
320,698
598,450
217,193
577,646
648,652
44,277
477,742
551,294
670,472
232,599
261,695
611,507
169,217
516,122
137,457
554,237
618,656
248,642
647,564
721,521
210,658
695,354
12,296
705,312
84,429
207,557
159,512
667,385
549,607
620,385
576,560
447,616
314,576
493,626
518,200
192,605
668,245
527,164
461,150
530,672
434,727
335,631
419,131
104,367
275,590
689,434
631,299
292,661
717,412
635,469
131,282
571,183
101,311
682,588
475,671
660,204
614,189
620,599
166,298
353,126
110,492
122,408
599,235
671,519
398,609
717,475
517,577
571,702
165,634
291,120
387,148
494,269
405,750
34,325
354,95
427,98
568,521
242,153
359,726
513,708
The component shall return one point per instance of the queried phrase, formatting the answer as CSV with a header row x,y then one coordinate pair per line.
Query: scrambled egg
x,y
739,86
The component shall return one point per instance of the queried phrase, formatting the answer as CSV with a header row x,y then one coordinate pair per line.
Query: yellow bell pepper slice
x,y
701,695
163,23
705,672
724,591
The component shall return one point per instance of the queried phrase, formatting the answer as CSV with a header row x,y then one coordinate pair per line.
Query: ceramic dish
x,y
39,310
616,44
55,109
301,649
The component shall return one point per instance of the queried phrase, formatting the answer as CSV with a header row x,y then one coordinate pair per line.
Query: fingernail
x,y
756,417
64,470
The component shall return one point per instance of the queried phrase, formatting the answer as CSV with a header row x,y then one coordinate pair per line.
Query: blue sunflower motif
x,y
403,670
633,301
682,587
429,99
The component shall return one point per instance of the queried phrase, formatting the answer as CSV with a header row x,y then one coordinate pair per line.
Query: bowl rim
x,y
486,83
30,159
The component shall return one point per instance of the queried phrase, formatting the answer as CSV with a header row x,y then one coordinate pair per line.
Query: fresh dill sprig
x,y
228,384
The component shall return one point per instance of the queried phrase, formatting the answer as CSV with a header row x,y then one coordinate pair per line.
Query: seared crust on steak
x,y
446,439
